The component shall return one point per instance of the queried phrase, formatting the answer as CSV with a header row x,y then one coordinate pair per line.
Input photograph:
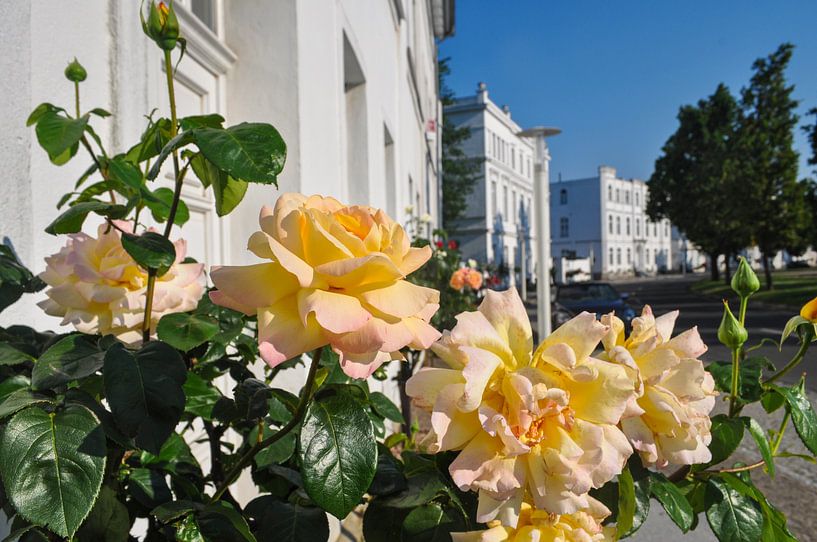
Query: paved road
x,y
795,485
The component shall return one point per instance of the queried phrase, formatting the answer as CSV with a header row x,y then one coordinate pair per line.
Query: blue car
x,y
597,297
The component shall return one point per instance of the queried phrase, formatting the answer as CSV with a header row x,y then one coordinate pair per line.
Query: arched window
x,y
637,202
609,192
610,225
638,227
627,225
611,256
563,196
629,257
618,256
618,225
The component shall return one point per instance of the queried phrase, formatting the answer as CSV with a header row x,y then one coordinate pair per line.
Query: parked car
x,y
597,297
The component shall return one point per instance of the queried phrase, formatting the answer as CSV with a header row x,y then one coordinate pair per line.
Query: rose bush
x,y
567,440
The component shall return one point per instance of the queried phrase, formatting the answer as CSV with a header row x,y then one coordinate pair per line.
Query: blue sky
x,y
612,74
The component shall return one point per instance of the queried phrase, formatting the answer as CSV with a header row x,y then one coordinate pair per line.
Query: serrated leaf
x,y
673,501
159,202
732,516
71,220
201,121
20,399
431,523
150,250
252,152
726,436
174,510
144,389
12,356
40,110
52,465
287,522
155,137
59,135
200,396
184,138
385,407
802,414
71,358
338,452
108,521
762,442
227,191
186,331
220,522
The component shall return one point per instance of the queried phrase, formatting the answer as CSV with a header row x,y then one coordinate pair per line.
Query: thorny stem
x,y
798,357
171,93
247,458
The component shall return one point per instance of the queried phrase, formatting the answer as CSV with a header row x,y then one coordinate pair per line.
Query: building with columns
x,y
604,218
499,217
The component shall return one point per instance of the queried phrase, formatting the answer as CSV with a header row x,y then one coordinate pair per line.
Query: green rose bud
x,y
730,332
745,281
161,25
75,72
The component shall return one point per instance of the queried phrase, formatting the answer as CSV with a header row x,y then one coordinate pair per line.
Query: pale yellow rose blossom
x,y
668,424
541,425
335,275
95,286
542,526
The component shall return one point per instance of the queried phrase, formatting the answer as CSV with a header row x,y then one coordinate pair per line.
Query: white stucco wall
x,y
279,62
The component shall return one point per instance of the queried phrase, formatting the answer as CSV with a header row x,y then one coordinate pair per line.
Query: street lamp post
x,y
541,188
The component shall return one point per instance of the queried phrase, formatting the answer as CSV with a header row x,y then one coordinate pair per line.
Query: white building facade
x,y
604,218
350,85
499,217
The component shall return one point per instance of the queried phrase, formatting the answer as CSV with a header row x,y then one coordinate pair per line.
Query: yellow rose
x,y
545,424
541,526
809,311
669,421
335,275
98,288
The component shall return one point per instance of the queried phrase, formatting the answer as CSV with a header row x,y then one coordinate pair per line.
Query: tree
x,y
459,172
695,178
771,195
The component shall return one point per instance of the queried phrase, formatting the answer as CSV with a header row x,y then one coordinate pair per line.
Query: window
x,y
494,208
205,10
618,194
609,192
627,225
638,227
636,200
563,196
564,227
666,229
627,197
515,210
513,157
618,225
610,225
611,256
655,230
629,257
357,159
618,256
505,214
647,257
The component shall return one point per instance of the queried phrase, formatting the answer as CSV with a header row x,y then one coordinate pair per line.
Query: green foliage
x,y
459,172
15,278
732,515
186,331
58,489
150,250
338,452
74,357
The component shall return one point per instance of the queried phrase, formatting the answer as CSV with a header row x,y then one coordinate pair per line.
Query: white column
x,y
541,187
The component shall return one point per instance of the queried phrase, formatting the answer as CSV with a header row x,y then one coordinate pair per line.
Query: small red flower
x,y
439,244
453,245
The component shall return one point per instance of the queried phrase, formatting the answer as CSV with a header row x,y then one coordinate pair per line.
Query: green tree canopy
x,y
695,177
459,171
771,195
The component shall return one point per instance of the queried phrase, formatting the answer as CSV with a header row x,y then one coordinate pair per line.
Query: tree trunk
x,y
727,269
715,273
767,270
